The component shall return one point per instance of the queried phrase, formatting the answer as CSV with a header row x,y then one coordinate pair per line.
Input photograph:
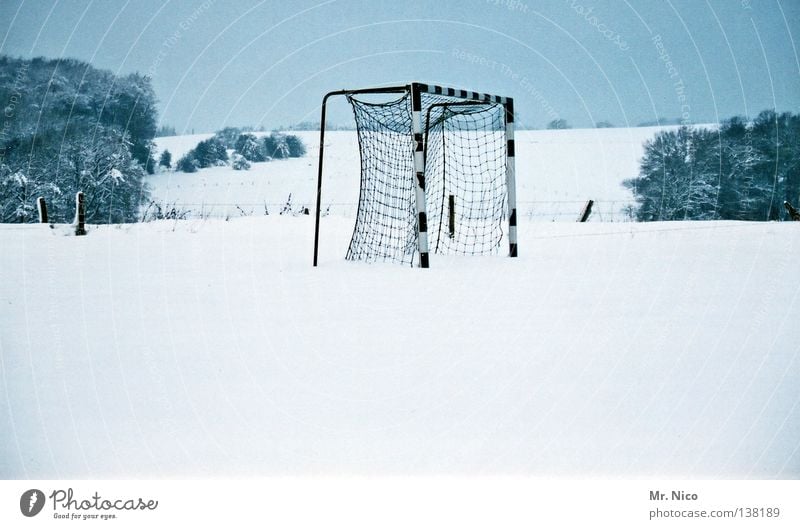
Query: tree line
x,y
744,170
68,126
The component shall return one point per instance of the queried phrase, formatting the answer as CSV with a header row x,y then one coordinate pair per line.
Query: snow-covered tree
x,y
295,146
239,162
210,153
187,163
76,128
674,181
166,159
743,171
250,148
777,142
275,146
17,205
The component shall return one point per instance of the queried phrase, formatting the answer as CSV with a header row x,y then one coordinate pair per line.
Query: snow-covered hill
x,y
557,171
213,348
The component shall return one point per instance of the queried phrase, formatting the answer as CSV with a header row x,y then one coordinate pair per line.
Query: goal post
x,y
434,160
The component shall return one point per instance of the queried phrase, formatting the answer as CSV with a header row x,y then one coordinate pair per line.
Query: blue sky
x,y
218,63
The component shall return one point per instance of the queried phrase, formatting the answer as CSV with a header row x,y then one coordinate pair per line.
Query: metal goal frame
x,y
419,136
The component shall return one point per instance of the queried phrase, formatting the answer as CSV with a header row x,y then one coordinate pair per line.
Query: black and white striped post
x,y
419,170
42,207
80,214
511,177
383,90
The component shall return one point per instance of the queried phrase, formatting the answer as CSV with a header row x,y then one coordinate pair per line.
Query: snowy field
x,y
209,348
206,348
557,172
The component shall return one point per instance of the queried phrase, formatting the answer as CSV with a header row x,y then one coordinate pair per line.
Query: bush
x,y
210,152
166,159
250,148
188,163
154,211
275,146
240,163
296,147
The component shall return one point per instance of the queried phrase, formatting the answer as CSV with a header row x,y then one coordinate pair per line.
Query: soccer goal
x,y
437,173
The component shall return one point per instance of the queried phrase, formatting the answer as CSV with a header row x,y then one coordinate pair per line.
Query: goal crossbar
x,y
419,152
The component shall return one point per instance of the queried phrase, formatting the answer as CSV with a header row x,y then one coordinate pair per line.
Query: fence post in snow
x,y
80,214
42,207
587,210
451,224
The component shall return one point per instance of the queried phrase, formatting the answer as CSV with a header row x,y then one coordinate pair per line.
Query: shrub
x,y
187,163
295,146
211,152
166,159
275,146
250,148
240,163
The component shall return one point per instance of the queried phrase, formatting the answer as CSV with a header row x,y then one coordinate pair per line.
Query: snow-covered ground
x,y
557,171
213,348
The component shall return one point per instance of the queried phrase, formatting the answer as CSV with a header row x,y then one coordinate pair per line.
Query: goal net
x,y
436,167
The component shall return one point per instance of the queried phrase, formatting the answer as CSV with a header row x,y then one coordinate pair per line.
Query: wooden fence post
x,y
452,216
587,210
80,214
42,207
